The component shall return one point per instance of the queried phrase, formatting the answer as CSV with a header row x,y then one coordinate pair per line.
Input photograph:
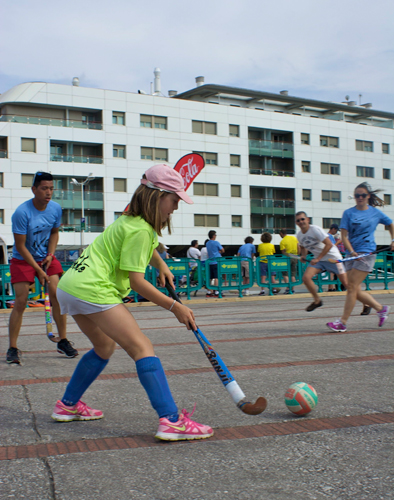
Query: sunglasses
x,y
362,195
37,175
300,220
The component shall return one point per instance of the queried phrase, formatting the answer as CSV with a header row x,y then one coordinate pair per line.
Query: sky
x,y
315,49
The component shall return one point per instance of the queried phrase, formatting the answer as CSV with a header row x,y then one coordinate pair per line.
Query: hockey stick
x,y
360,256
223,372
48,312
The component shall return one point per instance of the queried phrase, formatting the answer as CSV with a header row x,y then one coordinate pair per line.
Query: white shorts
x,y
72,305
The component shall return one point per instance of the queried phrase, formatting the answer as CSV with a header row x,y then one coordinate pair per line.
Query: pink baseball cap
x,y
165,178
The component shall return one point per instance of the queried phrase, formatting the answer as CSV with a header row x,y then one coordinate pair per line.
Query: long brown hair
x,y
145,203
374,200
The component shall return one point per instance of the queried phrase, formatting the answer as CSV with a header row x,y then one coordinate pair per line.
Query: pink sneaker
x,y
185,428
383,315
80,411
337,326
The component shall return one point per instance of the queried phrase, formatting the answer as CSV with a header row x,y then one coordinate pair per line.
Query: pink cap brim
x,y
185,197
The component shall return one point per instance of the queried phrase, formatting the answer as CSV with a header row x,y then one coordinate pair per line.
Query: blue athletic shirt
x,y
247,250
213,248
361,226
37,226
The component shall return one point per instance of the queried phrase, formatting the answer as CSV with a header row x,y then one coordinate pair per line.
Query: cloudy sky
x,y
322,49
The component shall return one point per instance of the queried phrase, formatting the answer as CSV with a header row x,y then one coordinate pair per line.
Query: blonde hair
x,y
161,248
145,203
374,200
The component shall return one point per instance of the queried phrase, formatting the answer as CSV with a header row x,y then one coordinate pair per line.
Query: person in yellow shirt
x,y
289,245
266,248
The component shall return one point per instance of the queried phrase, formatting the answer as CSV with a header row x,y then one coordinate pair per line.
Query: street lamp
x,y
82,184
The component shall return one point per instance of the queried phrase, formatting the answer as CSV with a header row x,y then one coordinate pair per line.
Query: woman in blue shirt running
x,y
358,227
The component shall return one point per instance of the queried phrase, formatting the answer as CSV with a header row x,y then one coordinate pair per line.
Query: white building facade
x,y
267,156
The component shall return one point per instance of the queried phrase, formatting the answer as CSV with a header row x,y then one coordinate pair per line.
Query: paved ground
x,y
342,450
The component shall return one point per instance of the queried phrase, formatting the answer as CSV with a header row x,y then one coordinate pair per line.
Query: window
x,y
1,215
334,196
330,168
236,191
306,166
364,146
305,139
150,121
210,158
28,145
329,142
386,173
156,154
307,194
119,151
234,130
235,160
386,149
201,189
1,179
206,220
120,185
236,220
387,199
117,215
118,118
327,221
203,127
27,180
365,172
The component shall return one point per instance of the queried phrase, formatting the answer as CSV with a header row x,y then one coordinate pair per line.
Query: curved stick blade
x,y
53,337
254,409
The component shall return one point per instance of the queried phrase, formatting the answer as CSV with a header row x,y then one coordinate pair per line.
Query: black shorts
x,y
213,271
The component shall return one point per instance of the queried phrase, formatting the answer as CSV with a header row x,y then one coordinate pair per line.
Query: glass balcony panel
x,y
271,148
76,158
3,153
56,122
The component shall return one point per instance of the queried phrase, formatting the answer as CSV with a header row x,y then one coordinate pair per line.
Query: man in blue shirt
x,y
35,224
248,251
215,251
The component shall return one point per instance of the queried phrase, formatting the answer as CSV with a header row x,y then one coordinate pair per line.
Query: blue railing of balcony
x,y
280,173
273,230
76,228
56,122
270,203
77,158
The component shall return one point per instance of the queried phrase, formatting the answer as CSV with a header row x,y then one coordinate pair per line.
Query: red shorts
x,y
22,271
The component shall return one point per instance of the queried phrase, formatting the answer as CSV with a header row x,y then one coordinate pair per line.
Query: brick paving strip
x,y
217,341
188,371
296,426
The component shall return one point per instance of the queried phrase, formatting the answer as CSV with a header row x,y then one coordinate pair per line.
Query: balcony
x,y
76,228
3,153
273,230
76,158
271,148
56,122
272,207
72,200
280,173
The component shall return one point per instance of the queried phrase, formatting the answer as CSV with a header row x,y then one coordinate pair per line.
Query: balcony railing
x,y
56,122
271,206
271,148
280,173
273,230
3,153
76,228
72,200
77,158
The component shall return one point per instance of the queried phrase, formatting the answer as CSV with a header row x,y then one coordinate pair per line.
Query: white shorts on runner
x,y
72,305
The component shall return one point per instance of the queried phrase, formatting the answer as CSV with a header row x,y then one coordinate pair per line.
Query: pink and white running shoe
x,y
183,429
80,411
383,315
337,326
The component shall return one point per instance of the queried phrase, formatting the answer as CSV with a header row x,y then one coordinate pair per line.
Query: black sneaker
x,y
14,355
65,347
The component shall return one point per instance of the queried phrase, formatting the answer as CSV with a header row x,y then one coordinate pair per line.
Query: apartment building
x,y
267,156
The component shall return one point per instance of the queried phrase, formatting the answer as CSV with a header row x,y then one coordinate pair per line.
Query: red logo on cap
x,y
189,166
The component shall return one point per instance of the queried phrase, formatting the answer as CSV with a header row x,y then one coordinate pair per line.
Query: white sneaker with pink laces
x,y
183,429
80,411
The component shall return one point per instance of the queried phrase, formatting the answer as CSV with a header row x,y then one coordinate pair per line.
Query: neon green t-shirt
x,y
290,244
265,249
101,273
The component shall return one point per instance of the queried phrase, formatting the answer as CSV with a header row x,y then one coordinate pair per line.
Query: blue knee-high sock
x,y
154,380
88,369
